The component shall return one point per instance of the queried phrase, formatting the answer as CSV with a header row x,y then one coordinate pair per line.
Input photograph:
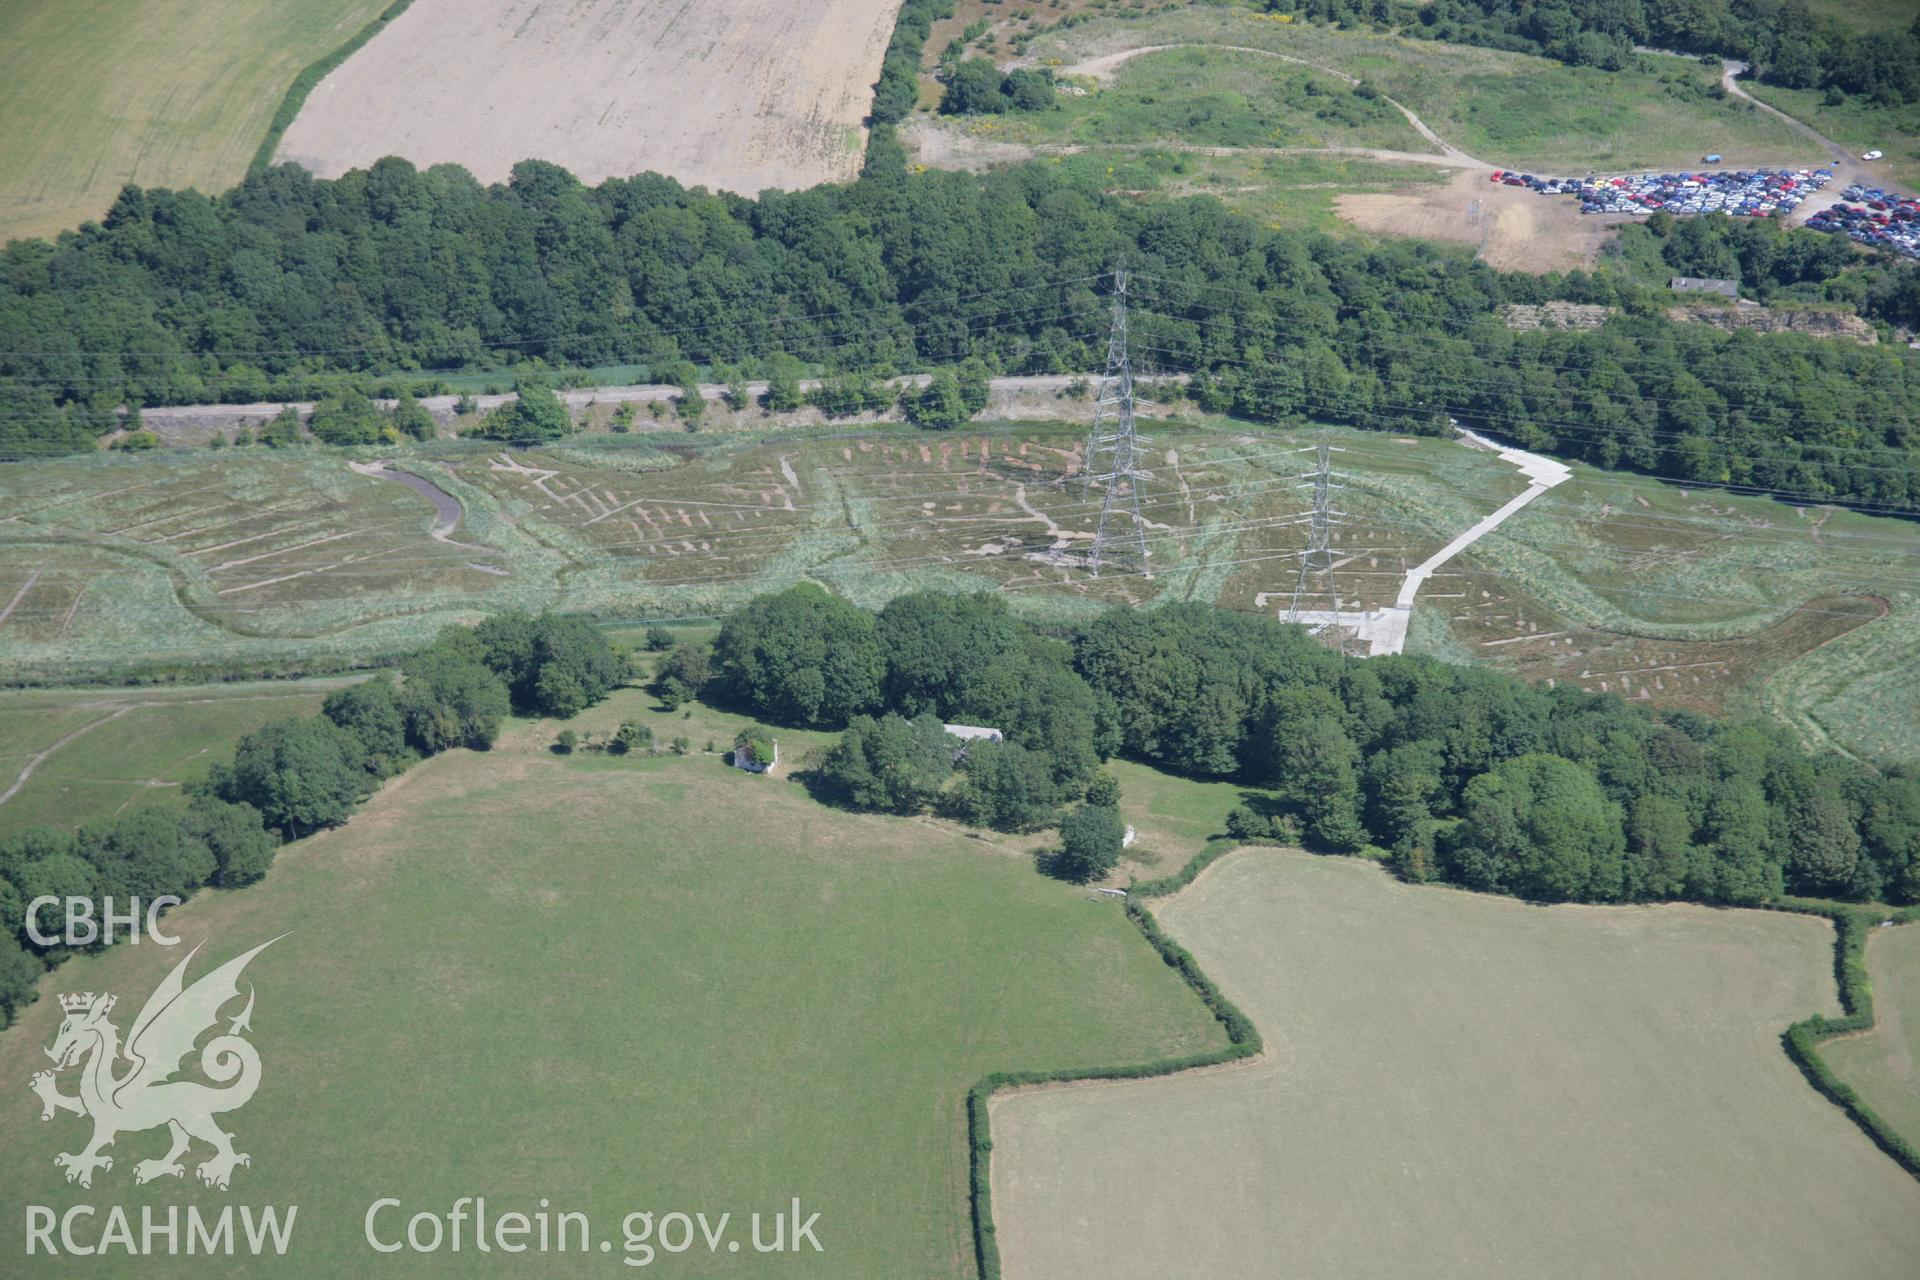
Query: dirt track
x,y
739,95
1103,67
1513,229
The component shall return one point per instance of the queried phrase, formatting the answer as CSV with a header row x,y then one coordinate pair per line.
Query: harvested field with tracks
x,y
1617,583
1459,1085
736,95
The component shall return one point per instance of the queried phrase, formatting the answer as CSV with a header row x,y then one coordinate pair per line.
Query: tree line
x,y
1774,264
291,286
1458,774
893,680
293,777
1461,774
1786,43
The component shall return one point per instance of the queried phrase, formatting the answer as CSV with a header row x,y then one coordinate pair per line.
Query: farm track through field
x,y
48,754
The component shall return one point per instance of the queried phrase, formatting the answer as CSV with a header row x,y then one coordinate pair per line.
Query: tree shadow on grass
x,y
1052,863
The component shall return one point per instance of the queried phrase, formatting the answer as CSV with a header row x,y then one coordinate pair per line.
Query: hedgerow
x,y
304,83
1243,1041
1852,927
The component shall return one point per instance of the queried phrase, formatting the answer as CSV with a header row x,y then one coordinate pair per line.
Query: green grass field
x,y
1464,1086
1173,817
1241,127
1866,15
1215,97
629,985
95,94
95,753
1857,125
1882,1063
1506,109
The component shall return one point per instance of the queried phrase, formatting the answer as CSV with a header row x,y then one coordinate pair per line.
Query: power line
x,y
1112,459
1319,555
1425,530
729,539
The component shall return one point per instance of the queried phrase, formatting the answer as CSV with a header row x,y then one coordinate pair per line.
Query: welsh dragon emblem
x,y
144,1094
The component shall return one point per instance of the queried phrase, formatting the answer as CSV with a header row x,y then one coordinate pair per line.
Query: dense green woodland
x,y
1464,774
289,285
293,777
1783,40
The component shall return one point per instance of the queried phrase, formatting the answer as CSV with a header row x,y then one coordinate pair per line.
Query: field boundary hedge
x,y
897,91
1243,1041
303,84
1852,927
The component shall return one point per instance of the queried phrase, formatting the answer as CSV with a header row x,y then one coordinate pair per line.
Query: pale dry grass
x,y
1459,1085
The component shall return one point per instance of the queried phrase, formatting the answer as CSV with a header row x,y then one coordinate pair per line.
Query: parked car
x,y
1872,155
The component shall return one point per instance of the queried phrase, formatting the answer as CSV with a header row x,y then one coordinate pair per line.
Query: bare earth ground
x,y
739,95
1514,229
1464,1086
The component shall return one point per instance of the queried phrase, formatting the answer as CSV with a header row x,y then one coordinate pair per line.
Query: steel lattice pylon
x,y
1113,455
1318,557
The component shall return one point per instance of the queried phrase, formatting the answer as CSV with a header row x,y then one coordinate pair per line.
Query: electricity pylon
x,y
1113,455
1319,554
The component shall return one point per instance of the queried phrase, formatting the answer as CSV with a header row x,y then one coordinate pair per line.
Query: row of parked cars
x,y
1750,193
1874,216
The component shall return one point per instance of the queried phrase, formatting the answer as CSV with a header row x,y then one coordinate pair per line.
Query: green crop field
x,y
1506,109
93,753
1884,1064
622,985
1469,1086
95,94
